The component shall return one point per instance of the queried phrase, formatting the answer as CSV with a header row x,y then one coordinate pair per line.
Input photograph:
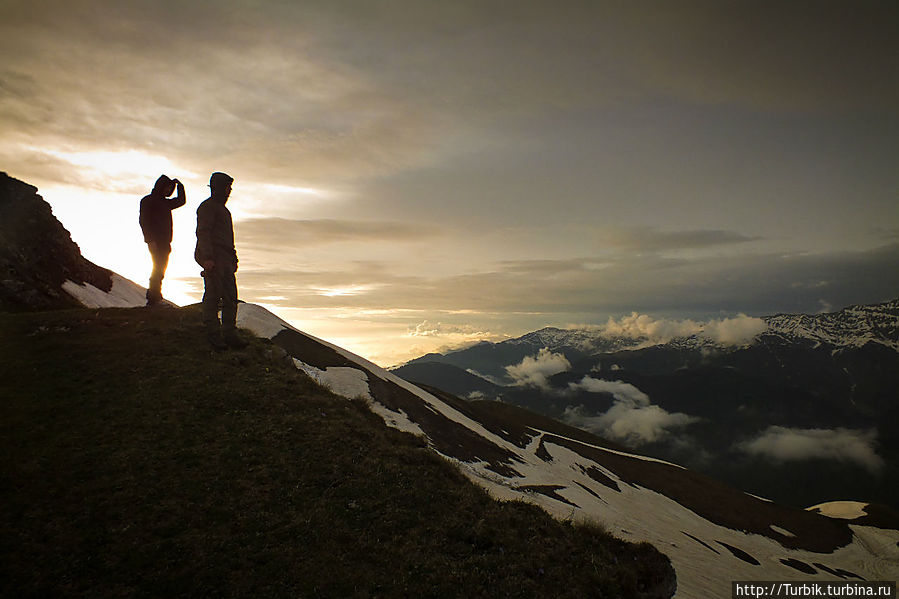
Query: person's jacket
x,y
156,217
215,233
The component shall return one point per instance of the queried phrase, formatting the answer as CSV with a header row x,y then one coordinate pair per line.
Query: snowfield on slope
x,y
124,294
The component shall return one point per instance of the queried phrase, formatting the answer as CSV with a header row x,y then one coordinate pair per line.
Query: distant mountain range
x,y
852,327
804,410
682,396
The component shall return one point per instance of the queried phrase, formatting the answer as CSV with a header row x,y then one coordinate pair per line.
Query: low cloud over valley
x,y
632,419
534,371
786,444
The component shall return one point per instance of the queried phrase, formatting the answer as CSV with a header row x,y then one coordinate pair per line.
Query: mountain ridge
x,y
852,326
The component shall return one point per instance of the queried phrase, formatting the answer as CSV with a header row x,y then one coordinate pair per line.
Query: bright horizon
x,y
412,177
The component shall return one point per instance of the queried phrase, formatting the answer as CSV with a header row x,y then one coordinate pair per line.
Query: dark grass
x,y
136,462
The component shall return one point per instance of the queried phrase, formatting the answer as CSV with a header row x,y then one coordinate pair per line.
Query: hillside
x,y
139,463
452,379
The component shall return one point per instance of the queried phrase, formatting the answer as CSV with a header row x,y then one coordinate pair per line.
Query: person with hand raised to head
x,y
217,255
156,224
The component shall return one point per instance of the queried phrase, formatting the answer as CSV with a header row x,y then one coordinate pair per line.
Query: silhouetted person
x,y
216,254
156,224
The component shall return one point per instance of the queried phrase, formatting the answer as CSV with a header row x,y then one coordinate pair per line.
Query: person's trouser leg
x,y
159,252
229,302
211,296
229,312
221,293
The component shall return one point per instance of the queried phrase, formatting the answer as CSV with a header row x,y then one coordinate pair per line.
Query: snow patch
x,y
352,383
846,510
781,531
260,321
398,420
344,381
124,294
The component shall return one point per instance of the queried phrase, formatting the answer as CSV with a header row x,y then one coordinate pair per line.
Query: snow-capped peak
x,y
854,326
851,327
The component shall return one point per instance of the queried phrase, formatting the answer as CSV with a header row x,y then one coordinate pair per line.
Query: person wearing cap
x,y
156,225
217,255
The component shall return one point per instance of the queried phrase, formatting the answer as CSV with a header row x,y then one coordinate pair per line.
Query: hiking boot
x,y
154,298
216,341
234,341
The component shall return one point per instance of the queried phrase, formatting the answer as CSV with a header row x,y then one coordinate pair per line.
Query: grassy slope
x,y
137,462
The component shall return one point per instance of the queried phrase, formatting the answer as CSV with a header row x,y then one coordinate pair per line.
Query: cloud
x,y
887,234
632,419
650,239
624,393
734,331
447,337
427,328
212,93
633,426
709,52
325,91
728,331
795,444
533,371
762,283
285,234
580,290
489,378
640,326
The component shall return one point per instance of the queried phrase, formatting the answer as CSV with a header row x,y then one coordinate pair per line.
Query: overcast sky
x,y
411,175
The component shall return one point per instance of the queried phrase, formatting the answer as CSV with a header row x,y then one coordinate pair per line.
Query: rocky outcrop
x,y
37,254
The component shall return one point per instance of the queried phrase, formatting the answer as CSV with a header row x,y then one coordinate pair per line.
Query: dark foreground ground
x,y
138,463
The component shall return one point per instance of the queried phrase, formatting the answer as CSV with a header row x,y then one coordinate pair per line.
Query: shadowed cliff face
x,y
37,254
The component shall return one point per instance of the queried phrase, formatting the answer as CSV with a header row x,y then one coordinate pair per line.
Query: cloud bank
x,y
794,444
427,328
651,239
632,419
728,331
286,233
622,392
534,371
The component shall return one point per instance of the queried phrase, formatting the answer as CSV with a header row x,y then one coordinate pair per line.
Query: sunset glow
x,y
114,164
